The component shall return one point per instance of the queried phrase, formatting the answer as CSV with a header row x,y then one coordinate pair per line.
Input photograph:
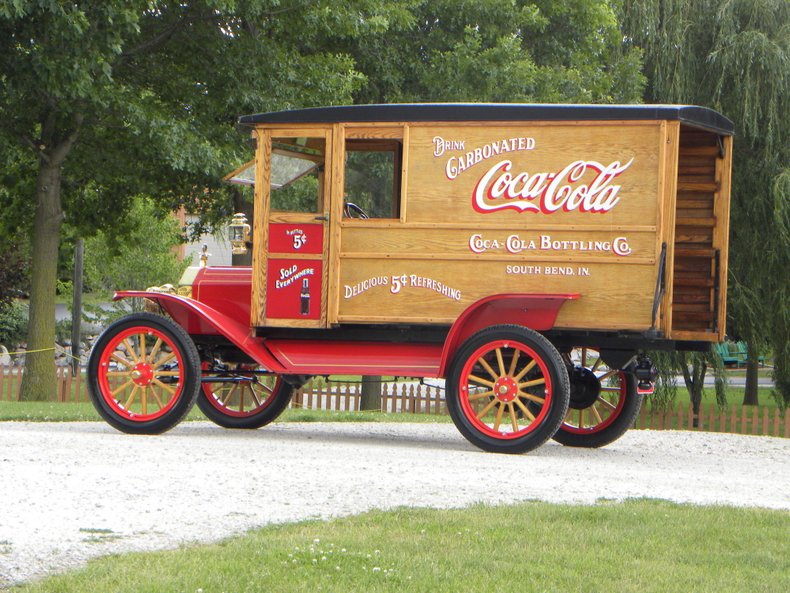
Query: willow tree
x,y
734,56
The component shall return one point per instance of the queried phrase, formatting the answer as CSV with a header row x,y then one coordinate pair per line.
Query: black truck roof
x,y
700,117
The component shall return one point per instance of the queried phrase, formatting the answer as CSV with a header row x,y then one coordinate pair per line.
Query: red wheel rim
x,y
244,398
505,389
607,406
139,376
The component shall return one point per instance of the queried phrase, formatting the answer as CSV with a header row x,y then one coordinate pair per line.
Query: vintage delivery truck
x,y
528,255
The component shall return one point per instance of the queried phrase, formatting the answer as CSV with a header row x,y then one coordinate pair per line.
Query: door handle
x,y
321,218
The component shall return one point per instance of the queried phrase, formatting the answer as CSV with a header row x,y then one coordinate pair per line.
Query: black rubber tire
x,y
186,381
274,405
545,423
613,428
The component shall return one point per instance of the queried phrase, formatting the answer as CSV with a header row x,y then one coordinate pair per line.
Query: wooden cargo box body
x,y
626,207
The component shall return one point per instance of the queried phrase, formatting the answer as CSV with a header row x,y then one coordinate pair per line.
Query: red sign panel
x,y
296,238
293,288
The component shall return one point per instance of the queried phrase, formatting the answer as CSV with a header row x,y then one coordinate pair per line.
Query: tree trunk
x,y
370,398
699,390
39,381
695,383
750,397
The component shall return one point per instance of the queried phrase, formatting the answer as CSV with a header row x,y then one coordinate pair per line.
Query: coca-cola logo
x,y
583,185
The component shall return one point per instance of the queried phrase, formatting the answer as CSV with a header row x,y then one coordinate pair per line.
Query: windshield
x,y
288,166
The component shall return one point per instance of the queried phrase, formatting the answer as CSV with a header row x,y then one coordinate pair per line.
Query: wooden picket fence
x,y
734,419
416,398
70,388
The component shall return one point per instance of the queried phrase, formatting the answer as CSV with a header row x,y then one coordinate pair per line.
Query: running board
x,y
309,357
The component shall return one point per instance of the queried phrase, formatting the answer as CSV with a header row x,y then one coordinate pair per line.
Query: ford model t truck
x,y
526,254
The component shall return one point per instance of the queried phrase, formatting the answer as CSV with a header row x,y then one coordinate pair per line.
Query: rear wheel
x,y
143,374
244,397
604,402
507,389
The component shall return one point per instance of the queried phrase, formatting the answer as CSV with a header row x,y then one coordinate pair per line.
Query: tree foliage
x,y
734,56
498,51
693,367
139,256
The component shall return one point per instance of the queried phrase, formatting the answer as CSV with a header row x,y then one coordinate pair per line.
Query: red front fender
x,y
199,319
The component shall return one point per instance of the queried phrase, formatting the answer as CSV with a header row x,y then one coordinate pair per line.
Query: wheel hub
x,y
142,374
505,389
585,388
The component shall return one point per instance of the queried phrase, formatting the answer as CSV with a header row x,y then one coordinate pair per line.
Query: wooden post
x,y
20,371
76,306
78,386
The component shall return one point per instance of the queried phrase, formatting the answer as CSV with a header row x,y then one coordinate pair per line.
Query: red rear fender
x,y
535,311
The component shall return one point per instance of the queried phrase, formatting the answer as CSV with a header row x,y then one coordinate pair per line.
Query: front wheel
x,y
244,397
604,402
143,374
507,389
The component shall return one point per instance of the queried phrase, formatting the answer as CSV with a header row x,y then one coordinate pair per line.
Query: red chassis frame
x,y
229,289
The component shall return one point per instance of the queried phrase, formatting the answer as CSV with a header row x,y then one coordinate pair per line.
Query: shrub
x,y
13,324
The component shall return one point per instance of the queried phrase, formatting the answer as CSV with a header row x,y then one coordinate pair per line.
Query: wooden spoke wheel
x,y
604,402
244,397
143,374
507,389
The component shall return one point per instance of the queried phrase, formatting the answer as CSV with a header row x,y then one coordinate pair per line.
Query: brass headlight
x,y
239,232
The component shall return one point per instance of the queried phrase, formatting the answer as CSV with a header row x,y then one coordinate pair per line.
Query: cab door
x,y
291,235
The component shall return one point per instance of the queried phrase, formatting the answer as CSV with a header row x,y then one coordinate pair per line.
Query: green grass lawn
x,y
84,411
734,396
638,545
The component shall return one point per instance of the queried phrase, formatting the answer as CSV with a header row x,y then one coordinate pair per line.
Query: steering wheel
x,y
351,210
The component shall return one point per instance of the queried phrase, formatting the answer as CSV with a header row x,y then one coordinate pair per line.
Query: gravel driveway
x,y
74,491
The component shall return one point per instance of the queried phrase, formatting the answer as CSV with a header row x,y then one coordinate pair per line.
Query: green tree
x,y
734,56
140,255
498,50
126,97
